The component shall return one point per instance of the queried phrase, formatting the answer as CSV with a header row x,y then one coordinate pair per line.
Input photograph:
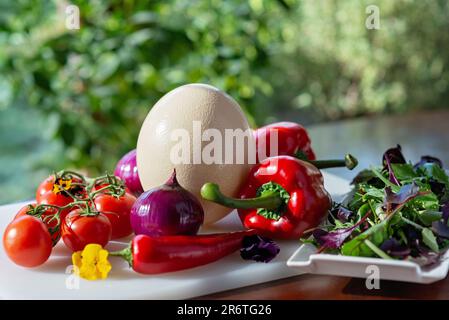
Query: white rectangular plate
x,y
54,281
306,261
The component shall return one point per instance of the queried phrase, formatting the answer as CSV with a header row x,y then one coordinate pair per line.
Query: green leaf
x,y
373,192
387,182
404,171
428,201
377,234
363,210
402,236
439,174
429,216
429,239
363,176
379,252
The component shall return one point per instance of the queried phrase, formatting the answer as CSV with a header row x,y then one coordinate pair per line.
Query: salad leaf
x,y
343,214
404,171
406,193
395,249
392,155
258,248
437,173
437,187
372,193
363,176
445,212
429,216
425,256
428,159
441,229
429,239
377,234
336,238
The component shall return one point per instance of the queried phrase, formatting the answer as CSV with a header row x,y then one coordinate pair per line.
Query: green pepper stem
x,y
349,162
269,200
125,253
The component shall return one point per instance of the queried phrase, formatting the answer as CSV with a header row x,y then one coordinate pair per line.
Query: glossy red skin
x,y
154,255
117,210
292,137
57,235
27,241
80,230
45,195
23,211
309,201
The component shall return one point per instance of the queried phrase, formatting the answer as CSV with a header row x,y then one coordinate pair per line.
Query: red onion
x,y
126,170
167,210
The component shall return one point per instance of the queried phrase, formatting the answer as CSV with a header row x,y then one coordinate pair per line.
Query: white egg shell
x,y
178,109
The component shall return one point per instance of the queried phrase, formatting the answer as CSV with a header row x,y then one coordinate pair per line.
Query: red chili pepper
x,y
282,197
153,255
293,140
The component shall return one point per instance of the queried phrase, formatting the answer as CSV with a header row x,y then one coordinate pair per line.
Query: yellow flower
x,y
61,185
91,263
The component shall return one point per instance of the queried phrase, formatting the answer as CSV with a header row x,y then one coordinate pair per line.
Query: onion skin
x,y
126,170
167,210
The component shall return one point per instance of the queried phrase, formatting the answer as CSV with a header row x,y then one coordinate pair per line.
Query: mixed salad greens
x,y
398,210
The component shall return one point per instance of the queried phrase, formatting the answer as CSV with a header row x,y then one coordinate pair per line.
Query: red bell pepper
x,y
281,205
293,140
153,255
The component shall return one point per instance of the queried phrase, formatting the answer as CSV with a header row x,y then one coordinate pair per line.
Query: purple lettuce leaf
x,y
440,227
445,211
258,248
428,159
411,234
395,249
344,214
425,257
437,187
335,239
392,155
406,193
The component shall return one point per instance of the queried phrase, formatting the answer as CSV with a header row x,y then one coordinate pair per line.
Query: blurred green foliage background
x,y
76,98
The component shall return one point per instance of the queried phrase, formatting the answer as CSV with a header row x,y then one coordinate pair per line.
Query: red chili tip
x,y
172,180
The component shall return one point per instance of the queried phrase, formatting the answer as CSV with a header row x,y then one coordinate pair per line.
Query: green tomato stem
x,y
72,173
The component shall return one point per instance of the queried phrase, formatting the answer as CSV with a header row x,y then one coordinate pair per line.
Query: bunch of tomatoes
x,y
73,208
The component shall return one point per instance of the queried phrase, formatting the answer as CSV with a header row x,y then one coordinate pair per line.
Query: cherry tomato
x,y
117,210
27,241
79,230
48,223
23,211
46,195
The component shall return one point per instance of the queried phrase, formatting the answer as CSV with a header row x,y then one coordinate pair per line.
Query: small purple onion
x,y
126,170
167,210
